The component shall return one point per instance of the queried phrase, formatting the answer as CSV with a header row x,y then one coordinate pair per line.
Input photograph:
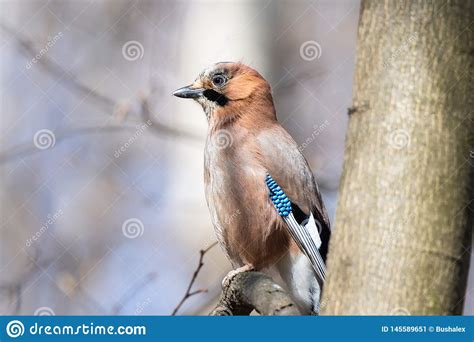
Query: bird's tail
x,y
306,243
297,272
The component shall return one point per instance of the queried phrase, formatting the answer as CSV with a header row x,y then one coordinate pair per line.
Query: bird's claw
x,y
233,273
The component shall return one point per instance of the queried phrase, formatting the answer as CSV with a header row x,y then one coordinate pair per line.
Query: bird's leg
x,y
231,275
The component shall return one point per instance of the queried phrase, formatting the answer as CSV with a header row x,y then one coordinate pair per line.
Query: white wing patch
x,y
312,228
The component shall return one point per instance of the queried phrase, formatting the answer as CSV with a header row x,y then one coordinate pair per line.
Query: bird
x,y
251,162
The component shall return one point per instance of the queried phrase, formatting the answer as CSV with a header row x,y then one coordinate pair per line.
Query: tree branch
x,y
247,291
105,104
30,50
26,149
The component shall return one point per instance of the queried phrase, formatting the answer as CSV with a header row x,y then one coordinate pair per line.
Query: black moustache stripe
x,y
216,97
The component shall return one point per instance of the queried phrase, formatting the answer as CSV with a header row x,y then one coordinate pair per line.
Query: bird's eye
x,y
219,80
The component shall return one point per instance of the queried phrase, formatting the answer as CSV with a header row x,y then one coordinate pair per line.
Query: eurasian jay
x,y
265,205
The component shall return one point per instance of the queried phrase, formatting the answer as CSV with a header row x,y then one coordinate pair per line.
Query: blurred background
x,y
102,201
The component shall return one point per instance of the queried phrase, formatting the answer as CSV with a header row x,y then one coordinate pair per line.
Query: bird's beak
x,y
188,92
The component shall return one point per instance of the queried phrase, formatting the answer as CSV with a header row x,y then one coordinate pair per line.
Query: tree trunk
x,y
403,229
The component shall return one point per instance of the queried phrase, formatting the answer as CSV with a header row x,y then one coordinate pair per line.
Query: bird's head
x,y
229,90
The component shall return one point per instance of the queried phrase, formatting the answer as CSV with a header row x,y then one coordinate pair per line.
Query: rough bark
x,y
403,229
248,291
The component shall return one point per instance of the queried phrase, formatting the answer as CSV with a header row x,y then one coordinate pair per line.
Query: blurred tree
x,y
404,219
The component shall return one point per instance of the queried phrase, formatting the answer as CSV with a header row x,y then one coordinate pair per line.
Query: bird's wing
x,y
304,235
288,167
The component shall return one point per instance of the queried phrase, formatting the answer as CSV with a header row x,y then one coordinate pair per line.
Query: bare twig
x,y
26,149
14,289
190,293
